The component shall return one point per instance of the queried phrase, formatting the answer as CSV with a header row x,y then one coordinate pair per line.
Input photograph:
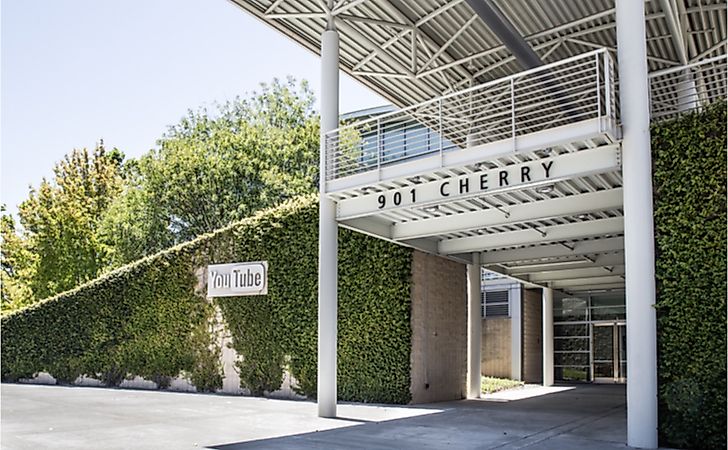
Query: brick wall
x,y
439,327
495,349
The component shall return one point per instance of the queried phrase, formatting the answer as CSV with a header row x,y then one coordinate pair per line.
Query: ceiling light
x,y
485,165
547,189
431,209
583,216
415,179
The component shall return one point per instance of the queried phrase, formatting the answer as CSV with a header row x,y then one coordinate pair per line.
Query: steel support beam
x,y
544,209
506,32
578,230
543,252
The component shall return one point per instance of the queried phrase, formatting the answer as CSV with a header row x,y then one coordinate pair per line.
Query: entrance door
x,y
609,352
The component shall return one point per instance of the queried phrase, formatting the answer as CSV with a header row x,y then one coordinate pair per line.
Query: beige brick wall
x,y
439,327
495,349
532,336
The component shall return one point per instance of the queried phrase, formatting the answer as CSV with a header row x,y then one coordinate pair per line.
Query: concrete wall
x,y
532,364
439,326
495,349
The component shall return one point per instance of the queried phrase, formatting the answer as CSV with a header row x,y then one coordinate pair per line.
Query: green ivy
x,y
146,319
689,157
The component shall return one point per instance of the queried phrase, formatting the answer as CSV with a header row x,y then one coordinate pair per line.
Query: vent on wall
x,y
494,304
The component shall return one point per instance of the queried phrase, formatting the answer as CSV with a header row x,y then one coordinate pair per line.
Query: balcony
x,y
556,104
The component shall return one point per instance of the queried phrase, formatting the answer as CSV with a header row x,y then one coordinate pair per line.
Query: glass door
x,y
609,352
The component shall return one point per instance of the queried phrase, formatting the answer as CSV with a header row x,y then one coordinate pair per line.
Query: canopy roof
x,y
412,51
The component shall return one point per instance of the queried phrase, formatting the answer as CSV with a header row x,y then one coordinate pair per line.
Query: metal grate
x,y
494,304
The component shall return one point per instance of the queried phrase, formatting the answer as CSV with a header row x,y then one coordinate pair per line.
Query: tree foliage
x,y
58,247
214,168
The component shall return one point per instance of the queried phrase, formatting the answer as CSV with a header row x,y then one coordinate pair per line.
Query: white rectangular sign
x,y
230,280
516,176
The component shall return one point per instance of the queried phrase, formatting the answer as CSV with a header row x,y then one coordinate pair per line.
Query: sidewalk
x,y
37,417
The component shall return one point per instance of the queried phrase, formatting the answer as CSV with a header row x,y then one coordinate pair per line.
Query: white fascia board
x,y
612,259
541,252
541,210
573,274
554,233
587,282
493,181
369,226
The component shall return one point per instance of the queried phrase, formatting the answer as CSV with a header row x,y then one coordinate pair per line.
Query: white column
x,y
475,323
514,298
638,227
548,336
328,233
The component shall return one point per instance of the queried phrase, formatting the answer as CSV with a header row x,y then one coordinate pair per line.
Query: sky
x,y
77,71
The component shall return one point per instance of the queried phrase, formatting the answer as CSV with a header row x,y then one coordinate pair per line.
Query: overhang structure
x,y
520,144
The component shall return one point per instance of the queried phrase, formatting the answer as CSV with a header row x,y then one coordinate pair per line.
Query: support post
x,y
475,323
638,226
548,336
515,300
328,231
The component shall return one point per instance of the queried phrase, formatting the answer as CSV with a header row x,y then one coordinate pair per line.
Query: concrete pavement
x,y
38,417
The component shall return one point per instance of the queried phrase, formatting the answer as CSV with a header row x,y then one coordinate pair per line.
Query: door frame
x,y
617,377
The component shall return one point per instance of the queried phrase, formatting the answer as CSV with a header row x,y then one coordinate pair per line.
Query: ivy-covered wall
x,y
689,157
150,319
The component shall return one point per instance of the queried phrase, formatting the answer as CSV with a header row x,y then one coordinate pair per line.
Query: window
x,y
494,304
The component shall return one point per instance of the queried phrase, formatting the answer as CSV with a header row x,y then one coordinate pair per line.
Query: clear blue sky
x,y
76,71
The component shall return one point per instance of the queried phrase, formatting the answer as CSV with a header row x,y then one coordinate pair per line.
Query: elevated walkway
x,y
525,170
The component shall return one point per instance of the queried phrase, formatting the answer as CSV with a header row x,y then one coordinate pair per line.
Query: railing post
x,y
598,92
513,112
439,116
607,86
379,149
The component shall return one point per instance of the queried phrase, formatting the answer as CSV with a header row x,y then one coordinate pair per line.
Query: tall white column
x,y
328,232
515,298
475,323
548,336
638,226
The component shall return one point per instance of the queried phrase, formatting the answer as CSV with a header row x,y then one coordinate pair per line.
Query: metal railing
x,y
568,91
681,89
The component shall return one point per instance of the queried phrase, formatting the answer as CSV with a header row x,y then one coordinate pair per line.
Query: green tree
x,y
216,167
58,247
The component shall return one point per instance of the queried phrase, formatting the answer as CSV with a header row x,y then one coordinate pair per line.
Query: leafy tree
x,y
58,247
216,167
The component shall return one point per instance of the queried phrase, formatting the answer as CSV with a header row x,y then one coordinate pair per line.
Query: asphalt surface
x,y
55,417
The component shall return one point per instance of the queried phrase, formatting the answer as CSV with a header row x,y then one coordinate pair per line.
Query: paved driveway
x,y
38,417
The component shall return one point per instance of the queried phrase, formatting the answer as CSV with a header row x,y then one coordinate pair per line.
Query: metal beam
x,y
525,212
587,282
578,230
506,32
544,252
575,274
673,24
612,259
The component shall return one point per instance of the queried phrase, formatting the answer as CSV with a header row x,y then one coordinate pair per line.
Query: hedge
x,y
689,157
150,318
